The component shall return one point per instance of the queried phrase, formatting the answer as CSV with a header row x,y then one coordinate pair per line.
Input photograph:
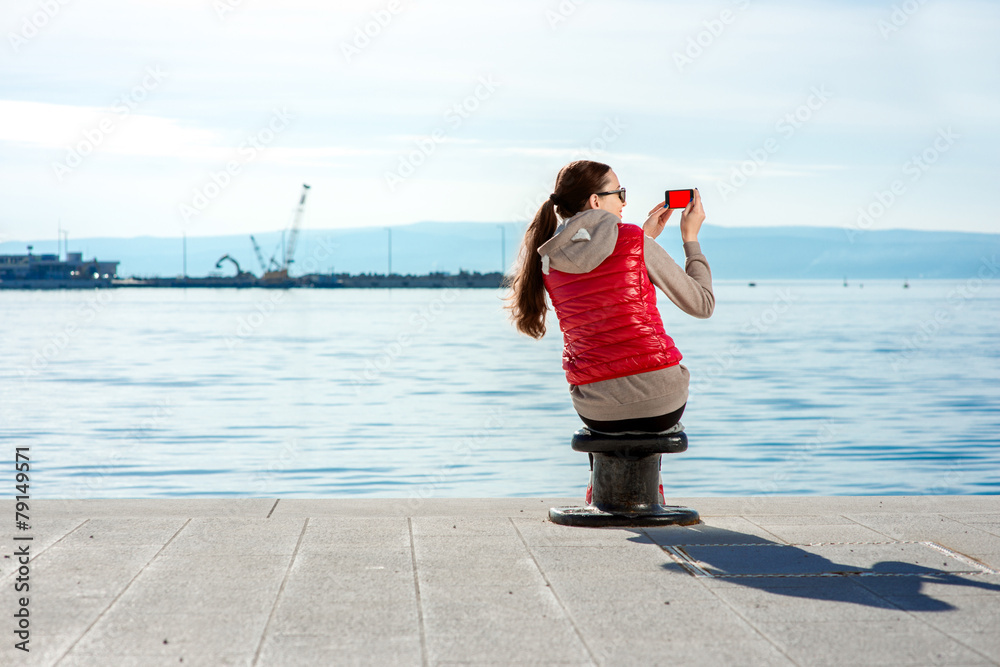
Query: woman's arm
x,y
690,288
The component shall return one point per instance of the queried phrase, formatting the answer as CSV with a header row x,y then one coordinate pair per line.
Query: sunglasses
x,y
620,192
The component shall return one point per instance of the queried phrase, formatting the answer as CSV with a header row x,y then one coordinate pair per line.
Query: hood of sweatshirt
x,y
581,243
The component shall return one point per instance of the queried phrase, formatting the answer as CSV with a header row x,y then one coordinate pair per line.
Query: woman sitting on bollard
x,y
624,371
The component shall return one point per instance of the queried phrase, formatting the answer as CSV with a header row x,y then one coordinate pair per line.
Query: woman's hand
x,y
692,218
657,220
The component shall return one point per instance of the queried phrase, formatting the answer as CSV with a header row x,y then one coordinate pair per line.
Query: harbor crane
x,y
239,272
280,273
260,256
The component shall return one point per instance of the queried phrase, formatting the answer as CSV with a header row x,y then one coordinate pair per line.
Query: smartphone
x,y
678,198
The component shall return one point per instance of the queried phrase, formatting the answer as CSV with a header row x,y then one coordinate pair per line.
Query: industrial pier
x,y
49,271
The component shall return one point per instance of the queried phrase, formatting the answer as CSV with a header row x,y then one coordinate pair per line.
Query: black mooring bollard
x,y
626,482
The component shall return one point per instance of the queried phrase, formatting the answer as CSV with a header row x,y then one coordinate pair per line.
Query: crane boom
x,y
293,236
280,274
260,256
218,265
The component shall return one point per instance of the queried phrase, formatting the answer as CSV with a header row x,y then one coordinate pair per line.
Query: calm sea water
x,y
797,388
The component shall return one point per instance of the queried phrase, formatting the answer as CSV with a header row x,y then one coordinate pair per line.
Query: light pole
x,y
389,229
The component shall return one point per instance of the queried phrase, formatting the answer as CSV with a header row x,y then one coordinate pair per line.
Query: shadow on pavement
x,y
813,571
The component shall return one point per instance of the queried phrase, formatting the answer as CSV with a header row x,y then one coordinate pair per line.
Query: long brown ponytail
x,y
526,298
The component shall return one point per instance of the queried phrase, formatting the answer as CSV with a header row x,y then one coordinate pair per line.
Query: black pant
x,y
645,424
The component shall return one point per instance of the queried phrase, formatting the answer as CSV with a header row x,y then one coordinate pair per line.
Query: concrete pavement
x,y
762,581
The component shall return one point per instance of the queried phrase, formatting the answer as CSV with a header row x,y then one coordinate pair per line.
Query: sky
x,y
170,117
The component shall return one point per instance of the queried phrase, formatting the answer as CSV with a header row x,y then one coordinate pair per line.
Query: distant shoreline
x,y
462,279
753,253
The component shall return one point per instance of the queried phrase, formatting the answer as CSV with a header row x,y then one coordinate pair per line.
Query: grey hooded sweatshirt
x,y
579,245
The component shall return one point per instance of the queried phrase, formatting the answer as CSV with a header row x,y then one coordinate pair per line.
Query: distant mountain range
x,y
734,253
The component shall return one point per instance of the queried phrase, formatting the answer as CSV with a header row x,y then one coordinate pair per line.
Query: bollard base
x,y
591,517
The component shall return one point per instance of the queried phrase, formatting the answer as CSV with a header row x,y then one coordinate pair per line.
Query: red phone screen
x,y
678,198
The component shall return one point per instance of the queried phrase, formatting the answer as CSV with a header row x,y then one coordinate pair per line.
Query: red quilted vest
x,y
611,327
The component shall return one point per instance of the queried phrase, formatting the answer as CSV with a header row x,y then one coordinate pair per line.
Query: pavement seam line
x,y
774,535
277,598
276,500
920,619
909,613
942,516
863,525
971,525
670,550
958,556
121,592
814,544
961,557
416,589
555,594
34,557
690,565
696,568
718,597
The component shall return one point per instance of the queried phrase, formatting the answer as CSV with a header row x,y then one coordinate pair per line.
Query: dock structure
x,y
460,280
43,275
261,581
48,271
